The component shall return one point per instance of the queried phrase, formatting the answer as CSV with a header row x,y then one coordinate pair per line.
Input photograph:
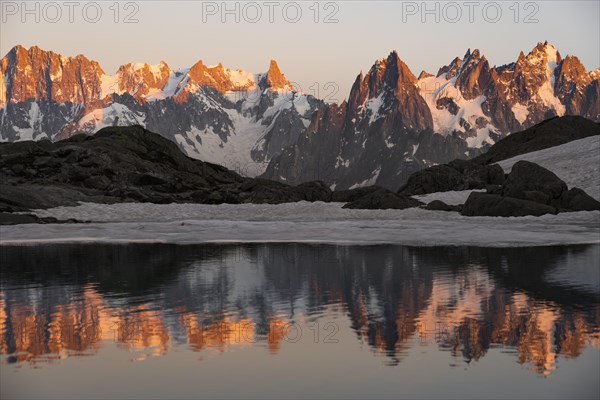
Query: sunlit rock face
x,y
230,117
392,124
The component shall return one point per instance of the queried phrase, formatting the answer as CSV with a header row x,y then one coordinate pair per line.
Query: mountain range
x,y
392,124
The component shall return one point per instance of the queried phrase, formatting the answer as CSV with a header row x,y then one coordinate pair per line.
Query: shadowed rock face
x,y
549,133
493,205
481,171
529,189
383,200
127,164
438,205
381,135
386,129
526,177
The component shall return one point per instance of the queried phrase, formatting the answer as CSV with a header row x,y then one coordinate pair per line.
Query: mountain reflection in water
x,y
60,301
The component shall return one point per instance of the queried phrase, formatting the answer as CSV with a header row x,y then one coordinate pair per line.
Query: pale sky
x,y
309,53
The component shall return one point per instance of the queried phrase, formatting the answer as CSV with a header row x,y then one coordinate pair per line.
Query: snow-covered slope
x,y
467,115
577,163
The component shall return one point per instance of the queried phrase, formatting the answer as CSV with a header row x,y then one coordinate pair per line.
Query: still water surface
x,y
293,320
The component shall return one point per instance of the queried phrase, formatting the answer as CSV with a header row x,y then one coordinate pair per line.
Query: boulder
x,y
578,200
457,175
440,178
529,181
346,196
528,185
494,189
438,205
314,191
383,200
493,205
537,196
271,192
264,191
483,175
18,219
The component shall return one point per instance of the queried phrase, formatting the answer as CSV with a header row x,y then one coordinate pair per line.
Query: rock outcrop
x,y
457,175
127,164
383,200
438,205
529,189
529,181
481,172
549,133
493,205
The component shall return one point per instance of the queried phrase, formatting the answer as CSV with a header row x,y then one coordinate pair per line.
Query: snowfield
x,y
577,162
300,222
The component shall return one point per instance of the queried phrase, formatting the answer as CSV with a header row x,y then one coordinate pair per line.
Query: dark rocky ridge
x,y
383,200
529,189
549,133
131,164
481,171
127,164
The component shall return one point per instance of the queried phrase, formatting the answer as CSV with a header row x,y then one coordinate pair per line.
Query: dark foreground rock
x,y
349,195
530,181
549,133
16,219
438,205
457,175
440,178
383,200
529,189
131,164
127,164
271,192
578,200
493,205
481,171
